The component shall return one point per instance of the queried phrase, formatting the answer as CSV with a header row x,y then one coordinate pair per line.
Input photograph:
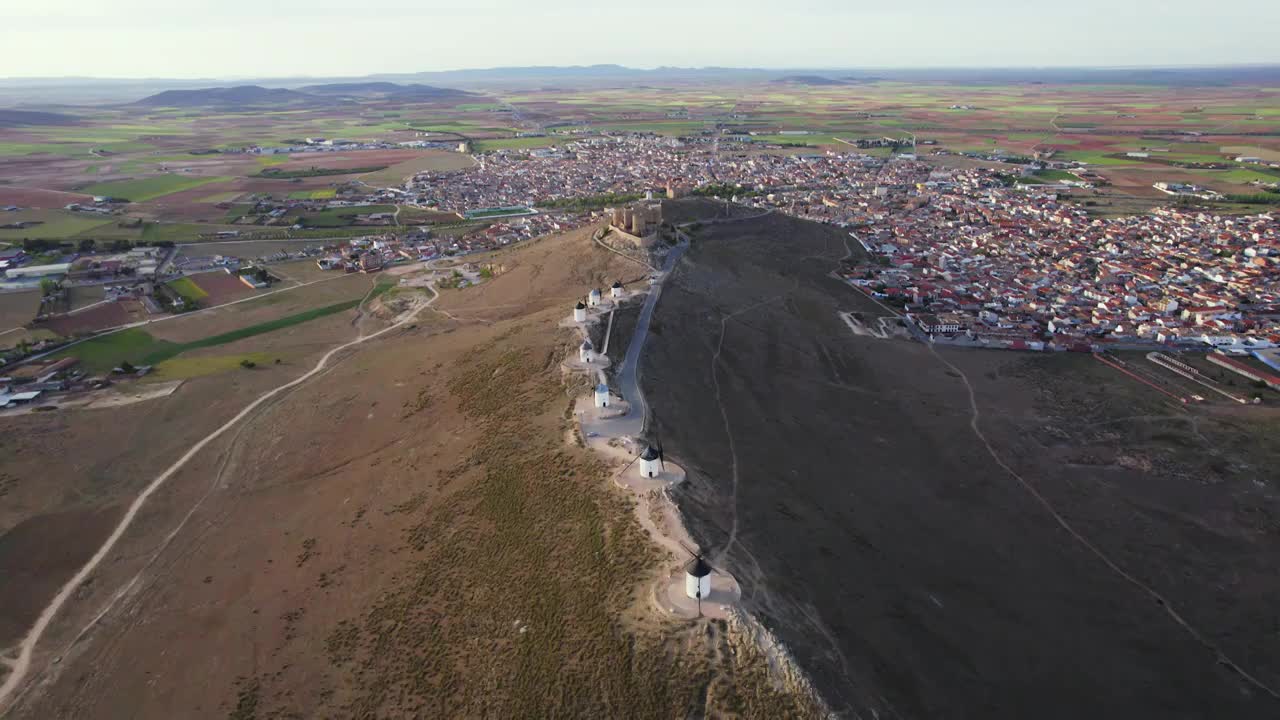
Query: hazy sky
x,y
245,38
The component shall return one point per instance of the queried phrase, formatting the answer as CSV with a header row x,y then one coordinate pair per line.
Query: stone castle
x,y
639,223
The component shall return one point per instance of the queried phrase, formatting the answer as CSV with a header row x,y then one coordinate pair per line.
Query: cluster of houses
x,y
965,254
625,164
20,267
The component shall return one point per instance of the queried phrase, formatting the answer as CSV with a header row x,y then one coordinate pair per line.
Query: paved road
x,y
633,423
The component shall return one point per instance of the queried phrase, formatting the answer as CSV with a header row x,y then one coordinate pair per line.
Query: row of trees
x,y
89,245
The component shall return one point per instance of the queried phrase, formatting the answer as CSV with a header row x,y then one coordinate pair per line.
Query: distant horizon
x,y
149,39
653,68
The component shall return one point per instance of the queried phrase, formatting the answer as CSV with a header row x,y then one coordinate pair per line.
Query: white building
x,y
616,291
38,271
697,579
602,396
650,462
579,312
586,352
593,297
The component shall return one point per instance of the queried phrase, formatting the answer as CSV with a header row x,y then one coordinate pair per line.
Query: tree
x,y
49,286
86,245
248,364
127,367
263,275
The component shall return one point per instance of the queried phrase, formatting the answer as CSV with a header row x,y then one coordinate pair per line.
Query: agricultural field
x,y
147,188
50,224
395,175
17,309
139,347
179,168
188,290
322,194
340,217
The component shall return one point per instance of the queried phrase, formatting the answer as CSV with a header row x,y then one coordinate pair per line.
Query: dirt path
x,y
21,664
144,323
728,429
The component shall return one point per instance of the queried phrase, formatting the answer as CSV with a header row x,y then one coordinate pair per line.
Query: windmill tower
x,y
616,290
594,297
697,579
602,396
579,312
651,463
586,351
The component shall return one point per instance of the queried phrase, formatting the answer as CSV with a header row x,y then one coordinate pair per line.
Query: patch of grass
x,y
221,197
514,143
101,354
184,368
437,160
54,224
321,194
141,348
278,174
342,216
1056,175
141,189
16,149
188,289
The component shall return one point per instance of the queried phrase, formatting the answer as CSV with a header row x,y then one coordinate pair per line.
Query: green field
x,y
526,143
185,368
139,347
17,149
811,140
221,197
273,173
1056,175
189,290
55,225
341,217
321,194
140,189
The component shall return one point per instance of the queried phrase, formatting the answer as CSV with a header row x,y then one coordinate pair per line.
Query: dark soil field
x,y
96,318
221,287
839,479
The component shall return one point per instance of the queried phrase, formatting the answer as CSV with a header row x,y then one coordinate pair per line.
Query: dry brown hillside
x,y
406,535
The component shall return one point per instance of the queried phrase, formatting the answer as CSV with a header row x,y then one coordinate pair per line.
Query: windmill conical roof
x,y
698,567
650,453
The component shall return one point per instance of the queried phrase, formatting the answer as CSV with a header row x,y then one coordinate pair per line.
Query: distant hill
x,y
21,118
809,80
239,96
387,90
327,94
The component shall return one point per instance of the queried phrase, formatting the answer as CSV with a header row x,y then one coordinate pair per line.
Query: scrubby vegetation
x,y
514,606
